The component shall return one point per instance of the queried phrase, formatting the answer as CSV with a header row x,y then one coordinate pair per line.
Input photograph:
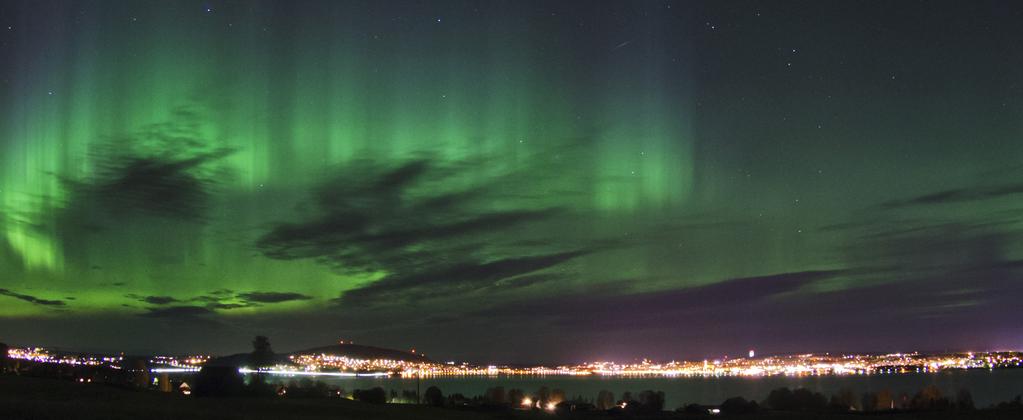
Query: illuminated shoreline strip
x,y
173,370
307,373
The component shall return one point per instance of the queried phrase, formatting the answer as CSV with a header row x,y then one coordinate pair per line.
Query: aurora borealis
x,y
512,180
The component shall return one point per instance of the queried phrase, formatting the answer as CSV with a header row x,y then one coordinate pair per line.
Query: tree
x,y
375,395
930,398
736,406
543,395
262,354
516,396
964,400
433,397
884,401
627,397
496,395
557,395
780,399
3,357
809,400
869,401
218,381
844,400
605,400
651,400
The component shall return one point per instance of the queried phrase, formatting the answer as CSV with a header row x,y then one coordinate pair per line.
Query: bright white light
x,y
306,373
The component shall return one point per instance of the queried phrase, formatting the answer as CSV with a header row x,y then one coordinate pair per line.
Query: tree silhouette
x,y
262,354
844,400
376,395
433,397
3,357
964,400
496,395
516,396
734,406
543,395
651,400
557,395
605,400
930,398
218,381
885,401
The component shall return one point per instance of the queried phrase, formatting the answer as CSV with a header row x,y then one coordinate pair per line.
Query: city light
x,y
788,365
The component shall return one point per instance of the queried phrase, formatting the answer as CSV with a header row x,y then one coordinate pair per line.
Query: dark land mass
x,y
23,398
352,351
358,351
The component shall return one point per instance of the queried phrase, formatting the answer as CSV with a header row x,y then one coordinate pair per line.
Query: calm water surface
x,y
987,387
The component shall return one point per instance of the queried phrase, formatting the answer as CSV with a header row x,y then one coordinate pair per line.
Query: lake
x,y
987,386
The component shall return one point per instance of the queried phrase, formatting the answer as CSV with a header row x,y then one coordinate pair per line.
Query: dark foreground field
x,y
46,399
52,399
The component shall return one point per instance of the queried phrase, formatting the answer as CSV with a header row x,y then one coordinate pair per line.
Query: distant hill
x,y
244,360
352,351
357,351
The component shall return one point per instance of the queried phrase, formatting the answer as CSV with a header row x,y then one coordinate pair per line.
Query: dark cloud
x,y
159,300
166,171
178,312
272,297
529,280
732,293
161,185
224,299
153,300
445,279
958,195
219,305
431,239
32,299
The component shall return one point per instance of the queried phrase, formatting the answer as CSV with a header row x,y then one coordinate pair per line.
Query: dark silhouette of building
x,y
3,357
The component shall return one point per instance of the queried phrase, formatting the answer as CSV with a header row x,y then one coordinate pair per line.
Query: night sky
x,y
511,180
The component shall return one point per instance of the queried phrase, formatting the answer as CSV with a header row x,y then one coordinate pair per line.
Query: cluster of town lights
x,y
793,365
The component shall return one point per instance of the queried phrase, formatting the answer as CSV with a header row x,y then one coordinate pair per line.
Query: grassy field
x,y
51,399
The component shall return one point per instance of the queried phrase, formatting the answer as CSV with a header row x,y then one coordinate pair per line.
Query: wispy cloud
x,y
32,299
423,225
958,195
